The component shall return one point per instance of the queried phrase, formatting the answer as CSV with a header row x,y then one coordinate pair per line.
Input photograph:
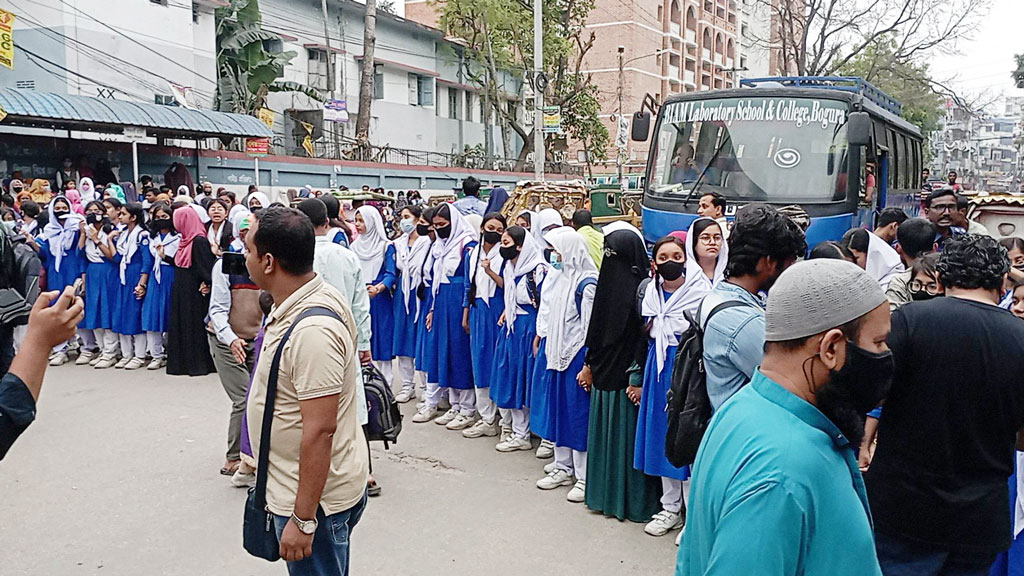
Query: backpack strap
x,y
268,409
723,306
531,288
641,290
580,289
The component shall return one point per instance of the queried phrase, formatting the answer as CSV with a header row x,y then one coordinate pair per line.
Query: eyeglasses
x,y
930,287
710,240
943,207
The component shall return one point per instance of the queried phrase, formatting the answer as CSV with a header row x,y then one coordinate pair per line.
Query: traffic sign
x,y
257,146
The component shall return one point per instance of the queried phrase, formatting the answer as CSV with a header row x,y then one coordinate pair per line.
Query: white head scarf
x,y
548,217
203,216
409,261
696,279
184,191
620,225
449,255
531,256
563,341
263,198
170,241
531,216
236,223
128,245
87,190
668,321
61,237
485,285
882,261
371,245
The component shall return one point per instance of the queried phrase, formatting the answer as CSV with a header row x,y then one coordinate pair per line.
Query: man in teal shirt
x,y
776,489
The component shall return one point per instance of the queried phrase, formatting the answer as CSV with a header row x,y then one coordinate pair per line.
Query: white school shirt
x,y
92,249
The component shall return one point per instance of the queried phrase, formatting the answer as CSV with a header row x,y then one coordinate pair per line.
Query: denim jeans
x,y
330,542
900,557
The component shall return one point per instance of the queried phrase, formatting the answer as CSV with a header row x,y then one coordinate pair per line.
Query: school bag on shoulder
x,y
688,407
580,289
384,418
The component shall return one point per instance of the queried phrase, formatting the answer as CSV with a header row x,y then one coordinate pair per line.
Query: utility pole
x,y
331,81
620,159
538,98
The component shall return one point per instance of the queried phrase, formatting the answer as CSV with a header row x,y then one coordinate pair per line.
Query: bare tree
x,y
820,37
366,76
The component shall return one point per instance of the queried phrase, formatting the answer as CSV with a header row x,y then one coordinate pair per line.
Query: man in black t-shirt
x,y
937,484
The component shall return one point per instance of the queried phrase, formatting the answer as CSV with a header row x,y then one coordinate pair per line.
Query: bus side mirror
x,y
641,126
859,129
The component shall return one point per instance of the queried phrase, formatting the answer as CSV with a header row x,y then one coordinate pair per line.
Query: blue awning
x,y
67,112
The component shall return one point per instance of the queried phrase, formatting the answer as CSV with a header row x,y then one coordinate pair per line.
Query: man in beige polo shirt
x,y
318,463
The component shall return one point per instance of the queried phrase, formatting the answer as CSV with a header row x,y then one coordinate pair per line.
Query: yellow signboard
x,y
307,142
267,116
7,39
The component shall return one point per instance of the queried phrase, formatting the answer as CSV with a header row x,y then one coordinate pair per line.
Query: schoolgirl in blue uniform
x,y
100,275
523,276
411,250
58,248
377,258
563,416
156,308
426,340
484,298
448,316
134,263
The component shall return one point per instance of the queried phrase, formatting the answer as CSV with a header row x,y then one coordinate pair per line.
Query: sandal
x,y
372,488
230,468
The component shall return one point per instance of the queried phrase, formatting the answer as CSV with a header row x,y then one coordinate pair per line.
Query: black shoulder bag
x,y
259,536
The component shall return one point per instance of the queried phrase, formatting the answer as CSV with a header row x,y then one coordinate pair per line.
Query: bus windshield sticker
x,y
787,157
800,112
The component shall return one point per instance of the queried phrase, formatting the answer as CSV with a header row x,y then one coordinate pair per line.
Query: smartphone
x,y
234,263
79,288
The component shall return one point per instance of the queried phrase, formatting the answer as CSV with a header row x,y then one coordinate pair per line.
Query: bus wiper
x,y
704,172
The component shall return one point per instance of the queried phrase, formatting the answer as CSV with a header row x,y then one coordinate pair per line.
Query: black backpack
x,y
27,269
384,422
689,408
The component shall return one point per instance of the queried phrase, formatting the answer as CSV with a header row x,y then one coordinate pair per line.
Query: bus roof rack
x,y
844,83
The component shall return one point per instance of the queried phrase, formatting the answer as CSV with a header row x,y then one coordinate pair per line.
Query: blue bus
x,y
836,146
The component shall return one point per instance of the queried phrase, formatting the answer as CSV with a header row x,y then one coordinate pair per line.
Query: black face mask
x,y
443,232
162,225
492,237
856,389
509,252
670,270
922,296
60,214
422,229
93,218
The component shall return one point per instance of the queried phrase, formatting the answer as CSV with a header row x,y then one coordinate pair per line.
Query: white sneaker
x,y
679,537
122,362
546,449
513,443
579,493
157,364
664,522
550,467
86,357
447,417
461,422
405,395
506,429
243,480
59,359
480,429
106,362
554,479
96,360
425,414
135,363
443,404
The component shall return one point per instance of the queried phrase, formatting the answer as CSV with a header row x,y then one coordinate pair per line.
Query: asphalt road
x,y
118,476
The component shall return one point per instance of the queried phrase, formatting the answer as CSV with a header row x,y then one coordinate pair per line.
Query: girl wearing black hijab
x,y
615,341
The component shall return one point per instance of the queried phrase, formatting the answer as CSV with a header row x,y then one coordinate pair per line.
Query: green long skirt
x,y
614,487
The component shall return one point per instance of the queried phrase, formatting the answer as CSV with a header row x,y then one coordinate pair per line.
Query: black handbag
x,y
259,536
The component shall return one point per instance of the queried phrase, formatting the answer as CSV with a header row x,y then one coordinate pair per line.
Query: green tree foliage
x,y
498,39
1018,72
246,72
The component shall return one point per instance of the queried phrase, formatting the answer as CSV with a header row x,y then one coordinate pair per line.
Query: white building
x,y
755,31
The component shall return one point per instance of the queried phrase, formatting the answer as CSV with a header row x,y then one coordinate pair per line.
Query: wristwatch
x,y
307,527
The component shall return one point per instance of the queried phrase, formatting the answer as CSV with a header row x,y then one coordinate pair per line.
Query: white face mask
x,y
10,225
407,225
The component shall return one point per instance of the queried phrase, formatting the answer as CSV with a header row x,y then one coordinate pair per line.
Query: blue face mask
x,y
556,261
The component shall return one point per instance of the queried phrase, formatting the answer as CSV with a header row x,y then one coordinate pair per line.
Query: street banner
x,y
7,39
552,120
257,146
335,111
266,116
307,142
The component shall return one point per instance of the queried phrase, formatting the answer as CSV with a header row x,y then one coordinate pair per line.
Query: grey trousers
x,y
234,377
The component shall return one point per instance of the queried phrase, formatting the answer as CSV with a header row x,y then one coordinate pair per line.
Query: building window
x,y
317,77
273,46
164,100
483,111
660,15
378,82
421,90
469,106
453,103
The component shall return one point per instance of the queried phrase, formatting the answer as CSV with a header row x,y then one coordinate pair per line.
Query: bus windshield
x,y
778,150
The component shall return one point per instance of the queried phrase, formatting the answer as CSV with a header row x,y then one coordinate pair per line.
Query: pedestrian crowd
x,y
864,395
